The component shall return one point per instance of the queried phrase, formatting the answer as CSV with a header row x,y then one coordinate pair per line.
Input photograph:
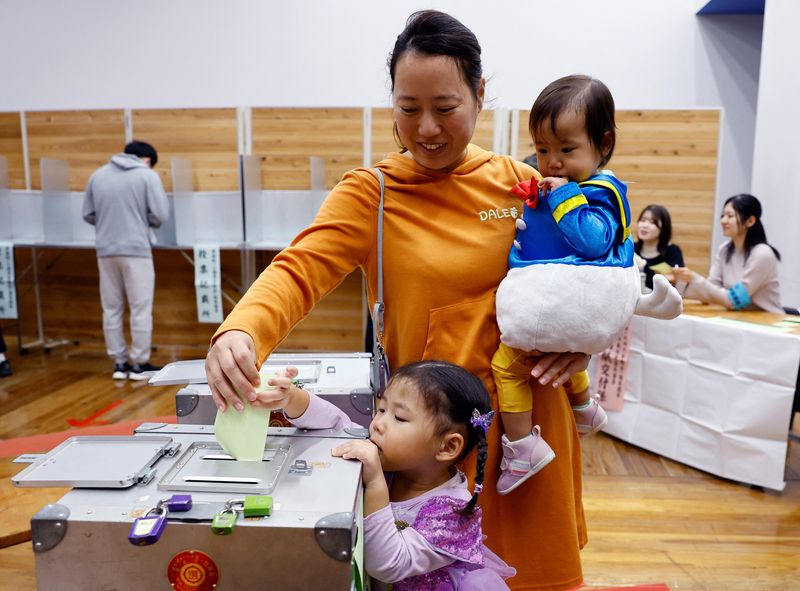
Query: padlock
x,y
148,529
257,506
179,503
223,523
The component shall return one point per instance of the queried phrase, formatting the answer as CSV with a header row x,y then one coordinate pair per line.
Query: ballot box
x,y
166,508
340,378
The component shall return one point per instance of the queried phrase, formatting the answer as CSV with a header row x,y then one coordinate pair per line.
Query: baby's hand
x,y
365,452
551,183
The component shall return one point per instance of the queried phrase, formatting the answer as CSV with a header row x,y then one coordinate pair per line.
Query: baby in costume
x,y
572,283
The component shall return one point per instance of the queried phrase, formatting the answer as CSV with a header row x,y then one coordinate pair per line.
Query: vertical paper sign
x,y
611,377
8,291
208,283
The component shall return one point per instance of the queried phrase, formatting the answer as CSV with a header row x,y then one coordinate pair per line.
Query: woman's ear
x,y
750,222
450,448
481,94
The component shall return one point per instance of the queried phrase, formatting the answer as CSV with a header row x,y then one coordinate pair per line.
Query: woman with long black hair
x,y
744,275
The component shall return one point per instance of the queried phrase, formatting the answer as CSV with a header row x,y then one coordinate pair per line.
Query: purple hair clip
x,y
478,488
482,421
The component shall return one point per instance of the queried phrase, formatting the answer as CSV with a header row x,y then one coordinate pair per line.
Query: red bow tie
x,y
529,191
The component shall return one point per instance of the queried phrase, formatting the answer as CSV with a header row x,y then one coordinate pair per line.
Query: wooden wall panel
x,y
383,142
286,138
670,158
71,302
11,148
207,137
85,139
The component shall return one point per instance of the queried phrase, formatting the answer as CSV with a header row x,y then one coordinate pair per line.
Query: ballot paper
x,y
244,434
662,268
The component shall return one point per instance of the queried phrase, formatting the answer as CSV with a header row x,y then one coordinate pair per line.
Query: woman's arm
x,y
760,267
339,240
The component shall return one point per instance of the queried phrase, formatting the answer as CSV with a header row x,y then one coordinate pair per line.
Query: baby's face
x,y
565,150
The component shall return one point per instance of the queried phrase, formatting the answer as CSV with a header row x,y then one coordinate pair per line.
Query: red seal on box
x,y
192,570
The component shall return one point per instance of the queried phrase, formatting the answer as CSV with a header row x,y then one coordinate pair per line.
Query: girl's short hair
x,y
452,394
583,95
661,217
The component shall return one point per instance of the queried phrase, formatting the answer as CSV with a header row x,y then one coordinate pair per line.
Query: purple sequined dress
x,y
429,534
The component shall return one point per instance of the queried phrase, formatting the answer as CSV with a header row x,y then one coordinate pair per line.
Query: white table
x,y
713,394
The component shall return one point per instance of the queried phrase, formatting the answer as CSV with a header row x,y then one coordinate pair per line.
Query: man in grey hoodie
x,y
124,199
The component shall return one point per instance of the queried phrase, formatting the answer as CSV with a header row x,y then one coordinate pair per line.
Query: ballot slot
x,y
205,466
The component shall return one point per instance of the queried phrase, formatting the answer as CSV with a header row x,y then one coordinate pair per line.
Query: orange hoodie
x,y
445,250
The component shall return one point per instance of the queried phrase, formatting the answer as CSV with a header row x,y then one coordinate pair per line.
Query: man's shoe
x,y
590,419
522,459
5,368
142,371
121,371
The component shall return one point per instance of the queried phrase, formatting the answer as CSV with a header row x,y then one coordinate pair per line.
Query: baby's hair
x,y
452,394
582,95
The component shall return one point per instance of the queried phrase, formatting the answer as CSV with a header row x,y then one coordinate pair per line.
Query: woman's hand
x,y
558,368
231,368
682,274
640,262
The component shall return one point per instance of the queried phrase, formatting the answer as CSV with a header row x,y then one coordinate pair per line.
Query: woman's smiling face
x,y
435,109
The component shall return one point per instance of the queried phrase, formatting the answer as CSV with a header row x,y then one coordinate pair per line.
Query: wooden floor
x,y
650,520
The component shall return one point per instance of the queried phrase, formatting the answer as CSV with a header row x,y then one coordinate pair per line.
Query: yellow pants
x,y
512,374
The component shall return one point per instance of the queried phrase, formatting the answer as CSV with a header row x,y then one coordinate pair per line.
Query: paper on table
x,y
244,434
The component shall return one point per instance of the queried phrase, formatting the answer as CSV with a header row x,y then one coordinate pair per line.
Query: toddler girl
x,y
572,284
422,528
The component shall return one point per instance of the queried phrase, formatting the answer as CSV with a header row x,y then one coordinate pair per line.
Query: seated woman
x,y
744,275
653,247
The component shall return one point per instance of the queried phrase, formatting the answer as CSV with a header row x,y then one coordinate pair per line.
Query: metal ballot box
x,y
308,539
340,378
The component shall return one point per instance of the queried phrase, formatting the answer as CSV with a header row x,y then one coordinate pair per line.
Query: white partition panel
x,y
208,217
26,216
182,192
57,201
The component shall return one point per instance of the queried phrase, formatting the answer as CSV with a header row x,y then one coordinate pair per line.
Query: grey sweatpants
x,y
131,278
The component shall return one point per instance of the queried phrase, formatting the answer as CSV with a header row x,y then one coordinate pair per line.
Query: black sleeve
x,y
674,256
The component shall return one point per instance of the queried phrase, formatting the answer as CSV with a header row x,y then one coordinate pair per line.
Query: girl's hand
x,y
231,368
682,274
365,452
281,392
558,368
551,183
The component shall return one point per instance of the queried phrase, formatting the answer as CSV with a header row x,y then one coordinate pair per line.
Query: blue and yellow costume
x,y
572,284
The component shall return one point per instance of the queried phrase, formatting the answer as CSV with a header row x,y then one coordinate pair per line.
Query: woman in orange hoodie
x,y
449,221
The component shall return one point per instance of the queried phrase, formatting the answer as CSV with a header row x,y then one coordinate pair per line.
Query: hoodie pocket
x,y
464,333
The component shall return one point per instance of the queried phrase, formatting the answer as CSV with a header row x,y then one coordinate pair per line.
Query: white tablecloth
x,y
715,395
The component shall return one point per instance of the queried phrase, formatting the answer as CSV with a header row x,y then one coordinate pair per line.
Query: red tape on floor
x,y
11,448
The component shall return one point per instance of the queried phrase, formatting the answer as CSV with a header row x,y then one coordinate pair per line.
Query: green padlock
x,y
224,522
257,506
